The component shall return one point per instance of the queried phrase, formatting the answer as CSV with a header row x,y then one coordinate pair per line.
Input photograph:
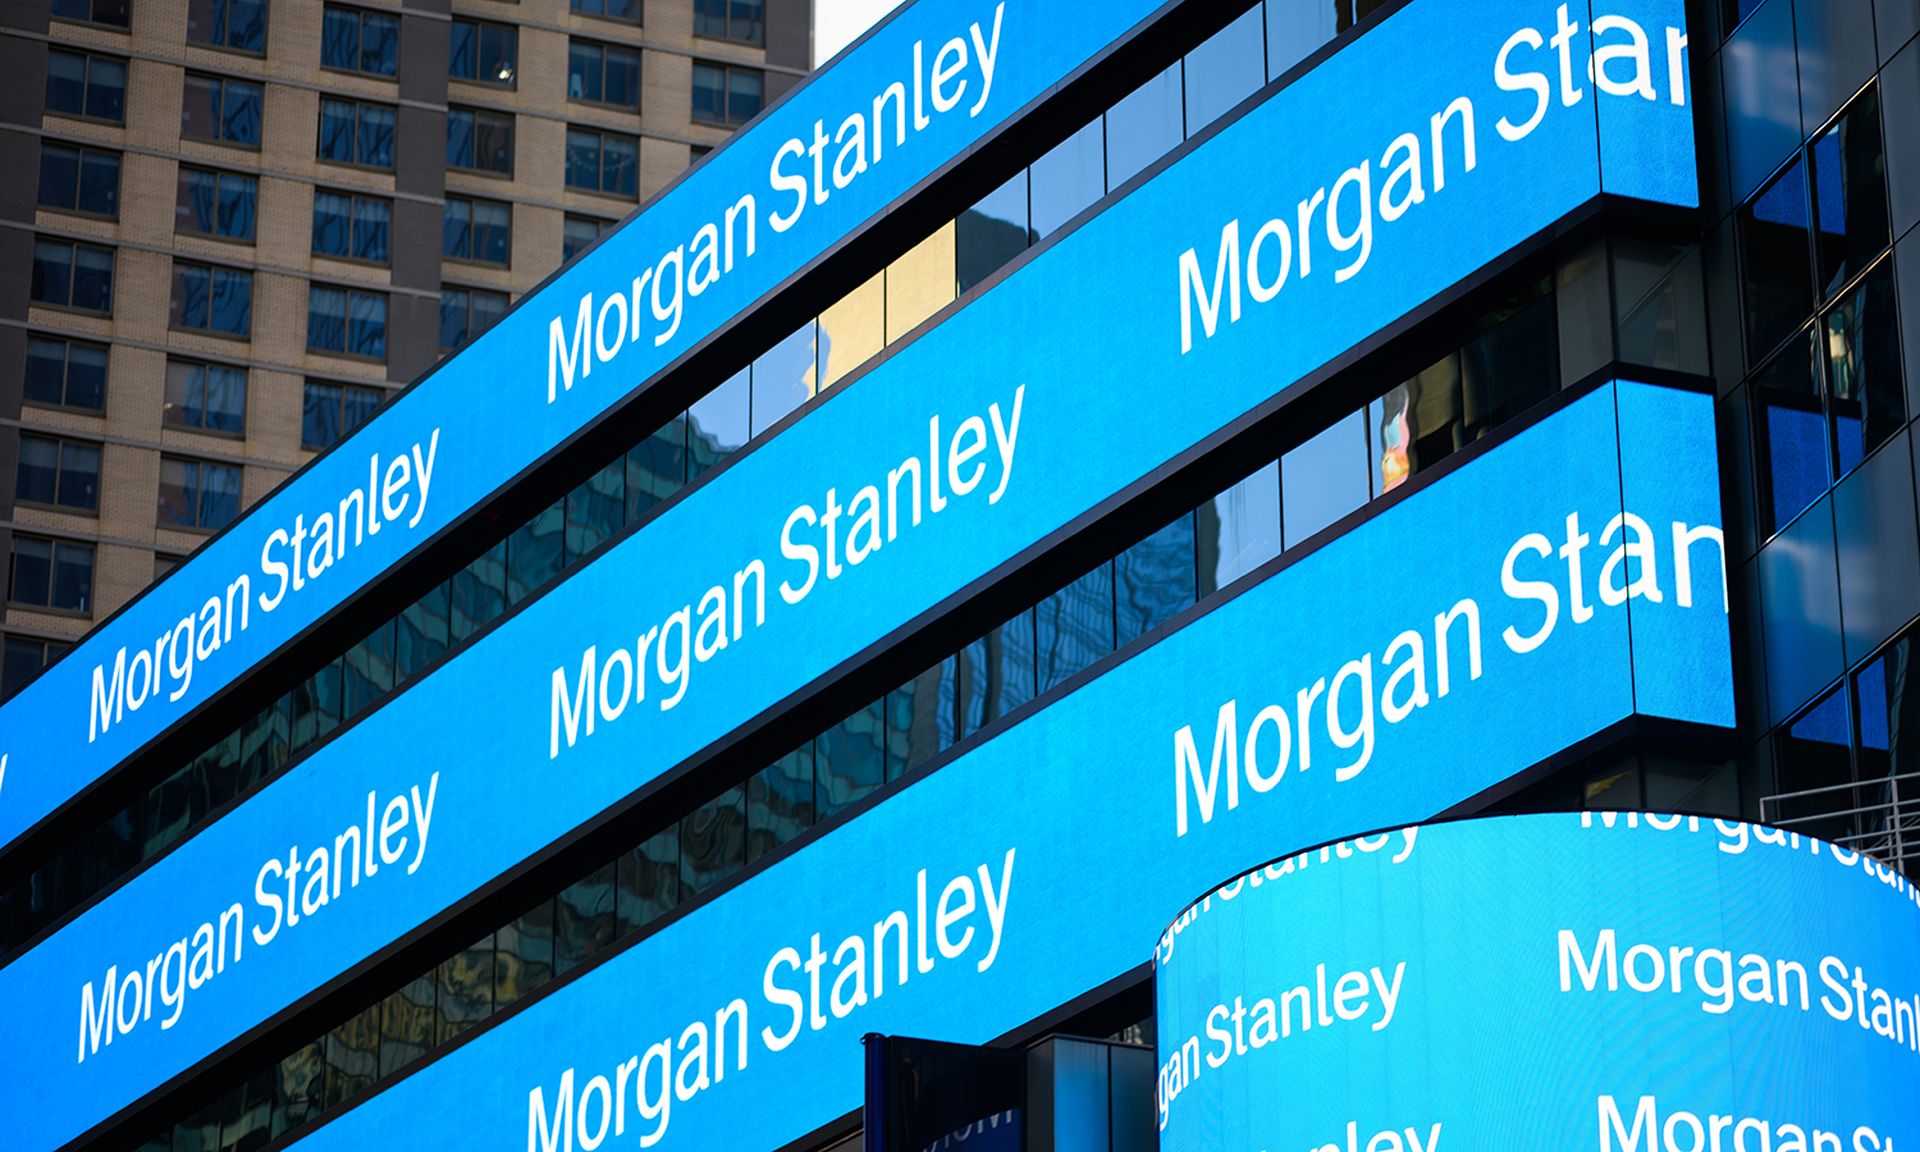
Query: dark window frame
x,y
349,292
206,367
602,47
354,198
55,545
601,188
477,115
361,15
602,223
473,202
173,283
266,30
92,20
469,291
359,107
113,273
66,374
81,152
480,29
342,387
224,81
86,85
59,474
727,117
218,174
200,465
757,36
638,19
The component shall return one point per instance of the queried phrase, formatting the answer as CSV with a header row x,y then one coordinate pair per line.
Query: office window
x,y
480,141
1068,178
1145,125
1847,166
603,73
1778,273
1790,436
723,95
216,203
991,233
482,52
58,473
578,232
220,109
347,321
84,84
1224,70
206,397
112,12
603,162
355,132
75,179
477,230
353,40
467,312
743,20
70,275
329,412
23,660
614,9
51,574
212,299
66,373
198,493
237,24
1865,390
352,227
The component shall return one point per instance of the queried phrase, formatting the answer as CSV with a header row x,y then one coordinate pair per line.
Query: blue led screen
x,y
1611,981
1047,860
700,256
1010,422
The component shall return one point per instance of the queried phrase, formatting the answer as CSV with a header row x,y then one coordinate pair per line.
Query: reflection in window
x,y
780,802
1777,267
467,312
69,275
351,226
603,162
216,203
355,40
1145,125
1153,581
1850,193
66,373
616,9
1790,437
198,493
355,132
596,509
603,73
1296,27
1323,479
237,24
482,52
480,141
1416,424
852,758
1889,710
1238,530
58,473
367,671
477,230
54,574
579,233
407,1023
718,423
656,467
478,592
1864,383
422,632
743,20
852,331
583,919
724,95
219,109
991,233
212,299
648,877
78,179
112,12
1069,177
536,552
1074,627
920,282
82,84
347,321
1811,754
713,841
205,397
329,411
921,716
465,992
783,378
1513,364
523,954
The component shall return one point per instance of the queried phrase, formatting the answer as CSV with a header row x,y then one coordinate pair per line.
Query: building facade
x,y
202,300
1761,263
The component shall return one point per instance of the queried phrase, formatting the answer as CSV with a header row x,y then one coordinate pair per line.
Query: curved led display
x,y
1619,982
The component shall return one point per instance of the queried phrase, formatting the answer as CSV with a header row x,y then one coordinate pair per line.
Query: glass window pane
x,y
407,1023
106,88
622,77
86,376
536,552
179,491
367,324
1145,125
583,160
1812,756
718,423
336,130
584,922
1323,479
79,475
783,379
1068,178
352,1054
1790,438
462,49
596,509
621,157
100,184
780,802
66,82
1776,263
1513,365
1864,382
1225,69
922,717
459,138
240,113
1296,27
852,331
709,93
52,277
92,278
379,44
713,839
31,581
340,39
1074,627
45,381
73,577
59,176
376,136
920,282
226,400
995,673
648,879
656,468
991,233
372,229
332,224
368,671
523,954
851,759
465,993
1154,580
1850,193
421,633
479,592
326,319
583,71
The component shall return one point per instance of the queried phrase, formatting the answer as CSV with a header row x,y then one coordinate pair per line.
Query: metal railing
x,y
1886,828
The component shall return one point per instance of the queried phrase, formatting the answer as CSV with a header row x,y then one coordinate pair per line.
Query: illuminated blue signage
x,y
935,80
1420,659
1005,425
1615,982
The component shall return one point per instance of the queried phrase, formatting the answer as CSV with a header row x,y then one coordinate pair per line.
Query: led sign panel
x,y
938,78
1342,691
963,449
1617,982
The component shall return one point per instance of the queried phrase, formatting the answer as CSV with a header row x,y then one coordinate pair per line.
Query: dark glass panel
x,y
1850,193
407,1023
780,801
1790,438
922,717
1154,580
1074,627
536,552
992,232
713,839
523,954
1865,389
851,758
1776,261
995,673
656,468
584,922
465,993
1812,755
649,880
